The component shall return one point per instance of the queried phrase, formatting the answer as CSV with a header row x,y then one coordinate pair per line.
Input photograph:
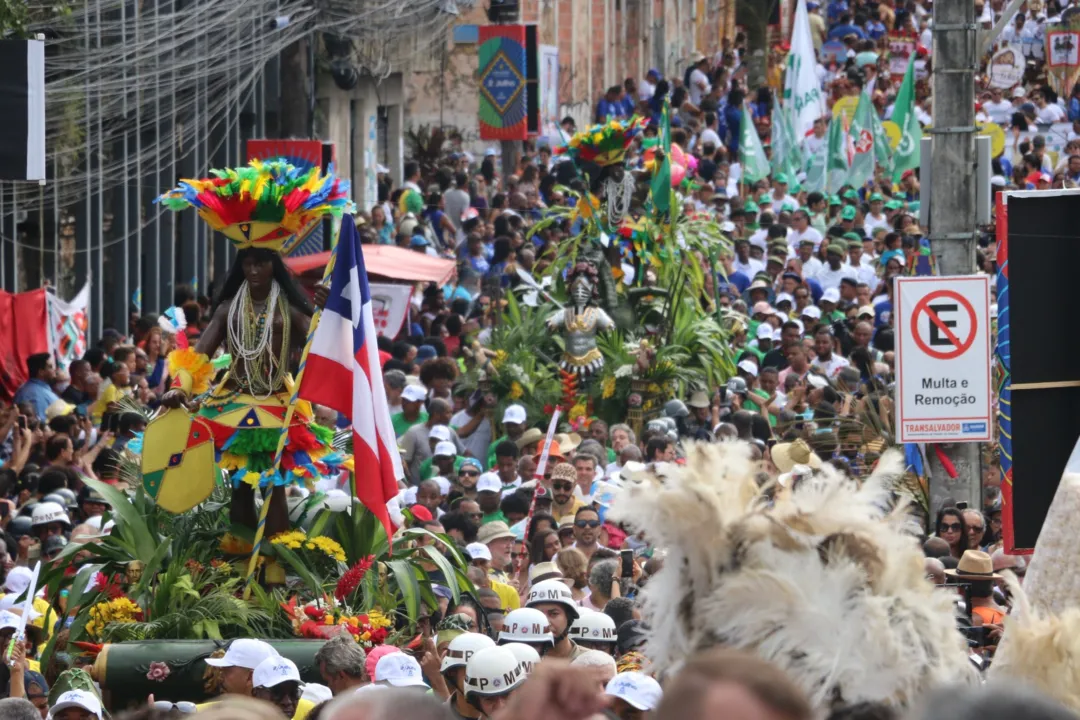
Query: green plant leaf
x,y
301,570
151,570
126,515
408,587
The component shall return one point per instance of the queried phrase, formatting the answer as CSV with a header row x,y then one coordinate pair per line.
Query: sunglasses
x,y
952,527
185,707
470,473
587,523
976,529
562,486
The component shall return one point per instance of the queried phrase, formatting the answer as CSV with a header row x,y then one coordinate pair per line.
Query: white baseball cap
x,y
443,483
477,551
442,434
812,311
399,670
81,699
274,671
445,449
514,414
764,331
785,296
244,653
11,620
635,689
414,393
748,366
489,482
831,295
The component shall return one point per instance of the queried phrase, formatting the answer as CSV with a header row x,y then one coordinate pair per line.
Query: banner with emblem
x,y
503,95
68,322
389,307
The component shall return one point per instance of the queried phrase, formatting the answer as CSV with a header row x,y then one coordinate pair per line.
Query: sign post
x,y
943,361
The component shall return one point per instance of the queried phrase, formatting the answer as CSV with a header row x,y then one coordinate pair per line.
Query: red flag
x,y
24,331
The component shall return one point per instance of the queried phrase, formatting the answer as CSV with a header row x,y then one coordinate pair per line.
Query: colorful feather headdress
x,y
267,204
604,144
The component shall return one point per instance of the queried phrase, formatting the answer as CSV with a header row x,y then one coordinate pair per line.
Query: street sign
x,y
943,361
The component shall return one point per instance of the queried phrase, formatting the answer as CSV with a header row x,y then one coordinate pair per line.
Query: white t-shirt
x,y
811,268
708,135
832,367
1052,113
795,238
645,90
812,144
999,112
478,443
829,278
870,222
699,85
751,268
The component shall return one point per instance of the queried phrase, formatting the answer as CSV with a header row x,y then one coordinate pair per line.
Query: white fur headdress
x,y
825,582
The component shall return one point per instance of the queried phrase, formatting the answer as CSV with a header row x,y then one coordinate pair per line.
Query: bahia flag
x,y
343,372
861,143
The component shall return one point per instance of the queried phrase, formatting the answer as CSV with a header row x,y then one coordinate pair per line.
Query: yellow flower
x,y
328,546
654,388
377,620
366,636
119,610
607,387
516,390
290,538
598,138
251,478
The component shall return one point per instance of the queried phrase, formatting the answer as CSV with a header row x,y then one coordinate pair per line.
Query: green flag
x,y
786,153
755,166
661,182
836,164
907,151
861,140
815,170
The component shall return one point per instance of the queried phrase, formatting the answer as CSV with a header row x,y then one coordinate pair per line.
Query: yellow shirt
x,y
508,595
108,395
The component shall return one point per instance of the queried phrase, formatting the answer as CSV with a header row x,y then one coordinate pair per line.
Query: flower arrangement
x,y
332,548
316,621
291,539
117,610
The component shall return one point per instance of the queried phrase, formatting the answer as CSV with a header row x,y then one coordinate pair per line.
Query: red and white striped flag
x,y
343,372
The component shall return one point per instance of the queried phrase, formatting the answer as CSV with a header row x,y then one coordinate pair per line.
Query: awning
x,y
385,261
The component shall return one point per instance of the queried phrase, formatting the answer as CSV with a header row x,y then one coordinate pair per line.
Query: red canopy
x,y
385,261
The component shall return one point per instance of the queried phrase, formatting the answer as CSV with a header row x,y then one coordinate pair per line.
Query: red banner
x,y
503,91
24,322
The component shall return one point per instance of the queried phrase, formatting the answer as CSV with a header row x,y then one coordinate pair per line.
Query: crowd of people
x,y
553,625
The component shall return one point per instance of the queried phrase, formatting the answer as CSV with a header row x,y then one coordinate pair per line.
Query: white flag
x,y
802,92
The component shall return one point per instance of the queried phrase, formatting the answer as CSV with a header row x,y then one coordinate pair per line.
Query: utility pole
x,y
952,209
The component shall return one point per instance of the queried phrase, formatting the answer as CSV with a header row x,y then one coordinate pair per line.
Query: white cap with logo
x,y
274,671
244,653
478,551
399,670
514,414
636,689
77,699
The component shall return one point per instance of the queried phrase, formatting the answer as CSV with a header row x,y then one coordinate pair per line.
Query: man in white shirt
x,y
801,230
709,134
699,81
473,425
743,263
1047,112
826,361
647,87
835,268
780,195
813,142
876,217
998,109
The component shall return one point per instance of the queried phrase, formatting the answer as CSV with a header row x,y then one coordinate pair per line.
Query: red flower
x,y
549,409
315,613
310,629
378,636
352,577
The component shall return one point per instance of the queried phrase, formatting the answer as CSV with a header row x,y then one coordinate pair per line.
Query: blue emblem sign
x,y
502,83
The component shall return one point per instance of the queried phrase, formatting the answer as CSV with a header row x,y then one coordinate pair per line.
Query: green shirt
x,y
492,517
401,425
491,450
751,405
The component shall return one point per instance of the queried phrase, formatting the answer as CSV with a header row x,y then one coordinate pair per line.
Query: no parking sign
x,y
943,390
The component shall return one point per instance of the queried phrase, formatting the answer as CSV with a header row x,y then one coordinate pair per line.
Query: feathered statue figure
x,y
825,580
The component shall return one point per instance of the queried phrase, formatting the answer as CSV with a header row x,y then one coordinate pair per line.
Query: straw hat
x,y
974,565
568,442
786,456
